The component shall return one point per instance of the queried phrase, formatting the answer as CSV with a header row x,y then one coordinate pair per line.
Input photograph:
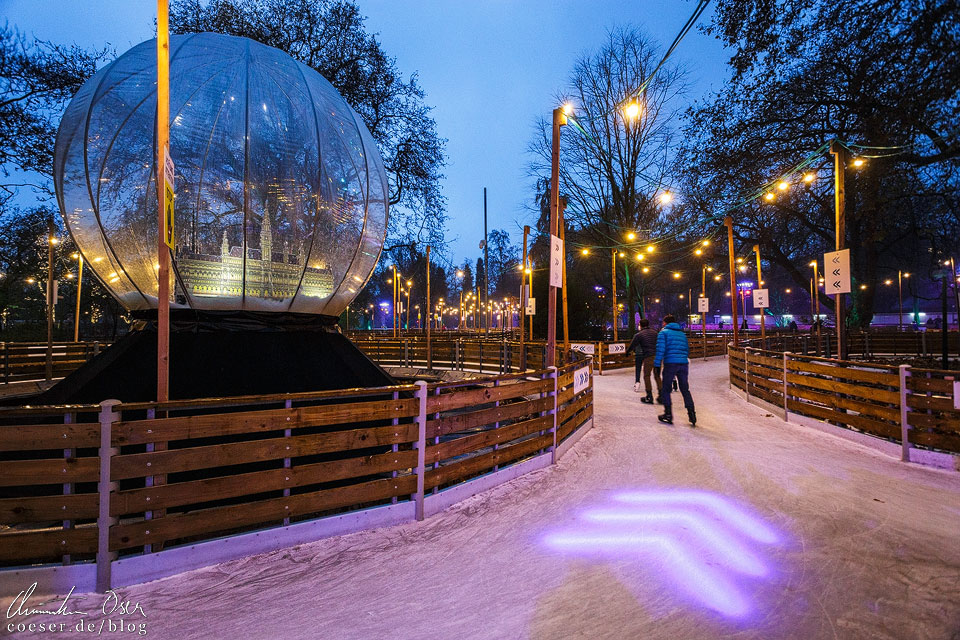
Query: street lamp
x,y
559,120
815,300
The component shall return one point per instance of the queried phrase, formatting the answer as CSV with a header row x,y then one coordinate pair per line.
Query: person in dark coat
x,y
673,354
644,345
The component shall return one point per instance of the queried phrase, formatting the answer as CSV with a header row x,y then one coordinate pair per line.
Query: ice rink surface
x,y
745,527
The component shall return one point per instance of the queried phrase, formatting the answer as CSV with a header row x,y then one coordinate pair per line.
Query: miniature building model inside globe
x,y
281,194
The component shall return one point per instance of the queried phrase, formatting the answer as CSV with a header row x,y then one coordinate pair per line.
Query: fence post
x,y
866,344
556,413
785,355
746,371
6,364
68,488
96,348
904,426
923,343
288,404
421,446
104,488
406,352
458,364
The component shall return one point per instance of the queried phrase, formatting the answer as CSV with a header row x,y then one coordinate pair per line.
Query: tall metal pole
x,y
163,252
558,119
51,239
956,291
613,288
523,292
428,315
839,168
900,295
486,260
703,314
76,316
393,314
728,221
946,325
816,297
763,323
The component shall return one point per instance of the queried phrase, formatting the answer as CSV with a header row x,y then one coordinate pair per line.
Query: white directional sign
x,y
583,347
581,379
531,309
836,272
703,305
761,298
556,261
618,347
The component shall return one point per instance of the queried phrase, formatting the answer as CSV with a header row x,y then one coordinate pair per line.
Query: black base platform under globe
x,y
216,354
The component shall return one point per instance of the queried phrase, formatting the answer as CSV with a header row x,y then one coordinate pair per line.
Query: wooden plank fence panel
x,y
48,471
17,547
261,512
49,436
464,421
221,424
210,489
48,508
478,441
139,465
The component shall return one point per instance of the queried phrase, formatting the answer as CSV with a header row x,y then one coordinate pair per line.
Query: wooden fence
x,y
21,361
114,487
916,407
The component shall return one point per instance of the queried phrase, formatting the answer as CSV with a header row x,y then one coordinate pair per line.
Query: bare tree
x,y
615,164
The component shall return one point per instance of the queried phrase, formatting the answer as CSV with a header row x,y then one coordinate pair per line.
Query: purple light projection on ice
x,y
721,508
705,539
729,549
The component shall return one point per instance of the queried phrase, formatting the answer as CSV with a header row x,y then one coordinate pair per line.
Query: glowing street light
x,y
632,110
666,197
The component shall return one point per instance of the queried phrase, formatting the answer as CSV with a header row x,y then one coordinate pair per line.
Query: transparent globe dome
x,y
281,194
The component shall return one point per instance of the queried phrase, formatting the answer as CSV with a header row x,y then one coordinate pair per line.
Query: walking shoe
x,y
647,399
693,417
666,418
636,388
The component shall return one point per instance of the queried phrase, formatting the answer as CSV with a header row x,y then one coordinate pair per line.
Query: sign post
x,y
165,204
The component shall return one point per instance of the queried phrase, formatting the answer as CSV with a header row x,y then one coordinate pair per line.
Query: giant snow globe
x,y
281,194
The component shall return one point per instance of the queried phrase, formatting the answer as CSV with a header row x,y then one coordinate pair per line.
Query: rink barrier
x,y
913,407
100,496
23,361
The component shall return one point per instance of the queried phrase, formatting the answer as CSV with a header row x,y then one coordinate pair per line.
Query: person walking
x,y
644,344
673,354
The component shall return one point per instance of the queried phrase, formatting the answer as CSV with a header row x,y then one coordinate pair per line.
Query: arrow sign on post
x,y
556,261
837,266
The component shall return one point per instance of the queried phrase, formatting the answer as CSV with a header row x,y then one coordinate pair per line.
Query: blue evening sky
x,y
489,67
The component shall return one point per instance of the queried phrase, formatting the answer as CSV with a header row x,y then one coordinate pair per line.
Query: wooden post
x,y
163,252
746,371
703,314
839,169
904,409
763,322
104,488
421,395
555,412
50,242
428,315
785,357
558,119
523,298
563,269
76,316
613,288
728,221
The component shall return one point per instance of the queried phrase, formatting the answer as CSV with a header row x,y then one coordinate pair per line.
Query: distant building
x,y
276,278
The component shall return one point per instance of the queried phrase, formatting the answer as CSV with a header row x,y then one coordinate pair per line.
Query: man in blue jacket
x,y
673,354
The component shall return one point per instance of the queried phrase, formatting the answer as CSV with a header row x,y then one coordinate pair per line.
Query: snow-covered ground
x,y
744,527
